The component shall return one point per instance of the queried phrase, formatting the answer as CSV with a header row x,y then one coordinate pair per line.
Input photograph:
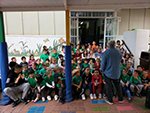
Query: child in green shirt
x,y
39,65
135,82
76,84
140,68
32,82
42,71
41,87
25,71
44,56
124,79
34,67
85,64
55,54
50,85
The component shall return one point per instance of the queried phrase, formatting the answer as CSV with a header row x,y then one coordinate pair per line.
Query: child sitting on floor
x,y
31,60
32,82
39,65
44,56
76,84
41,87
135,82
34,67
25,71
23,61
87,82
97,82
42,71
54,63
124,79
85,64
50,85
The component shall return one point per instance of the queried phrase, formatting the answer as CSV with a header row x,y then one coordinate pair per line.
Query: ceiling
x,y
57,5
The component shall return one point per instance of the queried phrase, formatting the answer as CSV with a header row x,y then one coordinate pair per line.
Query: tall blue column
x,y
3,61
68,61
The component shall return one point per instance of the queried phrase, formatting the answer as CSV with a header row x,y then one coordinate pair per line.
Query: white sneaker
x,y
91,96
48,98
43,99
94,96
56,97
100,95
83,97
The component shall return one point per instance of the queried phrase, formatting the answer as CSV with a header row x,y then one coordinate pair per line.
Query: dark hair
x,y
118,41
23,57
94,66
44,64
72,45
86,68
122,61
47,59
86,60
44,50
17,66
126,69
31,71
44,47
96,70
39,78
140,66
35,64
31,56
62,62
13,58
86,53
12,64
60,55
138,72
63,47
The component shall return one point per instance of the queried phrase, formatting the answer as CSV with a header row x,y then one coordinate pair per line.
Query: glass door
x,y
111,29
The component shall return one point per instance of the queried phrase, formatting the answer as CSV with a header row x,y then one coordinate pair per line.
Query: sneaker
x,y
36,99
56,97
121,101
91,96
100,95
94,96
139,95
16,103
104,96
60,101
48,98
108,102
83,97
24,101
43,99
130,99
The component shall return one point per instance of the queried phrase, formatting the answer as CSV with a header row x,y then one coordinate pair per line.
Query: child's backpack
x,y
147,103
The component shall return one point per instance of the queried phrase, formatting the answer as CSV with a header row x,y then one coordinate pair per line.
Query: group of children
x,y
46,74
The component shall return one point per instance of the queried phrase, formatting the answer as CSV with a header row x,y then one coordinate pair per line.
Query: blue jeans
x,y
89,85
126,89
34,94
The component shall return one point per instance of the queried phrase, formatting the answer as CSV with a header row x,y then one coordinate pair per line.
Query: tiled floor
x,y
79,106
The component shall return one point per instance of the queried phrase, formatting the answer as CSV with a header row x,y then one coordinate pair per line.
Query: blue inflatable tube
x,y
68,73
4,71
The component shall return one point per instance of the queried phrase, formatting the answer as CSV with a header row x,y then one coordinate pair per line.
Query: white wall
x,y
35,23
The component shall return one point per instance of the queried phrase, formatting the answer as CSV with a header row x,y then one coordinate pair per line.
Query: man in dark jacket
x,y
15,84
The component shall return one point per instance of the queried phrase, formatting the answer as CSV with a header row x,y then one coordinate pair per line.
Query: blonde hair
x,y
48,72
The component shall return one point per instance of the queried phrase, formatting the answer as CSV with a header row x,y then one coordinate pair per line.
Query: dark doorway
x,y
91,30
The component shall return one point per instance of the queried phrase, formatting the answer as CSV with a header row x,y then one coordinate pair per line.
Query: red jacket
x,y
98,79
98,66
78,55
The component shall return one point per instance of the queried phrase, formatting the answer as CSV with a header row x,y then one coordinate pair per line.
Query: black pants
x,y
42,92
109,88
62,93
50,90
77,93
104,88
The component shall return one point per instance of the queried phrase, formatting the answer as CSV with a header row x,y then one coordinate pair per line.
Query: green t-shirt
x,y
63,82
25,73
135,81
44,57
85,65
39,67
121,68
141,74
77,80
49,80
32,82
125,78
36,72
42,71
74,50
57,75
102,77
43,83
55,55
92,71
73,66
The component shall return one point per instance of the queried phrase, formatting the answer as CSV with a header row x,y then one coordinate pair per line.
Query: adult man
x,y
111,68
15,84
